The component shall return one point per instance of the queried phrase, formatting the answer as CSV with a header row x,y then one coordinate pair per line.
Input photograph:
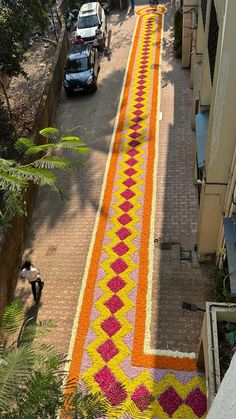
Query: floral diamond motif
x,y
111,326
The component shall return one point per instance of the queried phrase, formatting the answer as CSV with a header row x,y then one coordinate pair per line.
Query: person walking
x,y
29,272
99,37
132,4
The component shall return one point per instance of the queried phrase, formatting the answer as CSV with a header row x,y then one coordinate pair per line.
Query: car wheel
x,y
95,87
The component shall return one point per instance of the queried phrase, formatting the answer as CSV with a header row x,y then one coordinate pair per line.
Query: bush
x,y
222,293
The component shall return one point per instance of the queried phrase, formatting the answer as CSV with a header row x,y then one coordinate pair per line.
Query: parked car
x,y
81,69
90,16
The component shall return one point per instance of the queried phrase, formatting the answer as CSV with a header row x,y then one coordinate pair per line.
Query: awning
x,y
230,239
201,120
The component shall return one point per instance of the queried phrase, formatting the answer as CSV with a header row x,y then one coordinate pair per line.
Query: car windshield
x,y
76,66
87,21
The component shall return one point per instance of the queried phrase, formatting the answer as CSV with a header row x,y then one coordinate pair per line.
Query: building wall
x,y
188,8
224,404
221,98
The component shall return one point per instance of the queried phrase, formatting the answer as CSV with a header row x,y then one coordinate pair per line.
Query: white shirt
x,y
31,274
99,34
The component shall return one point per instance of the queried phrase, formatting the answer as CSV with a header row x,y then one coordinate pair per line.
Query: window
x,y
87,21
212,39
76,66
203,9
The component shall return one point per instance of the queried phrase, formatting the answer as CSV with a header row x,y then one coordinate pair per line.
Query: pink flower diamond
x,y
111,326
134,143
170,401
197,401
127,194
126,206
141,82
129,182
116,394
131,171
137,112
116,284
119,266
141,397
139,99
120,249
134,135
138,105
107,350
105,379
132,152
131,162
114,304
142,71
140,93
135,127
124,219
123,233
137,118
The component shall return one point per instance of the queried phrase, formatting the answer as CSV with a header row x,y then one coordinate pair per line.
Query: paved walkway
x,y
136,329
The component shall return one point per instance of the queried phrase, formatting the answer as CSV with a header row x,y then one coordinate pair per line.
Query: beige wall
x,y
210,215
222,128
187,31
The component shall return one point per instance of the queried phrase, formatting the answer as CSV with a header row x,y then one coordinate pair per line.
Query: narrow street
x,y
110,256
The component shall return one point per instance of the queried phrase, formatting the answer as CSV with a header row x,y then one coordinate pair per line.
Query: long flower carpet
x,y
110,343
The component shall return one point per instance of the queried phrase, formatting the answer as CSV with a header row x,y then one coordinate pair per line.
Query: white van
x,y
90,16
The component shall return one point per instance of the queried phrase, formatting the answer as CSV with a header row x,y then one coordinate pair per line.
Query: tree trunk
x,y
8,107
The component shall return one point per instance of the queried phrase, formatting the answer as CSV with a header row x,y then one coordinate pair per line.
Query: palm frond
x,y
14,371
9,179
50,132
13,317
23,144
4,163
34,331
78,147
72,138
14,205
30,149
84,405
54,162
37,175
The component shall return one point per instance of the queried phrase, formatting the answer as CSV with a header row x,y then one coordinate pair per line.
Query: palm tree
x,y
31,383
37,165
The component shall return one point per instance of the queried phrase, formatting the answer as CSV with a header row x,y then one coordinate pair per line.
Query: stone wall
x,y
13,242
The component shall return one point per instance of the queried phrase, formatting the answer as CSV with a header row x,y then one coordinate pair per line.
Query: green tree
x,y
31,379
17,18
37,164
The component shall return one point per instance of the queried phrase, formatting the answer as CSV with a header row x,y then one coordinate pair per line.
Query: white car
x,y
90,16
